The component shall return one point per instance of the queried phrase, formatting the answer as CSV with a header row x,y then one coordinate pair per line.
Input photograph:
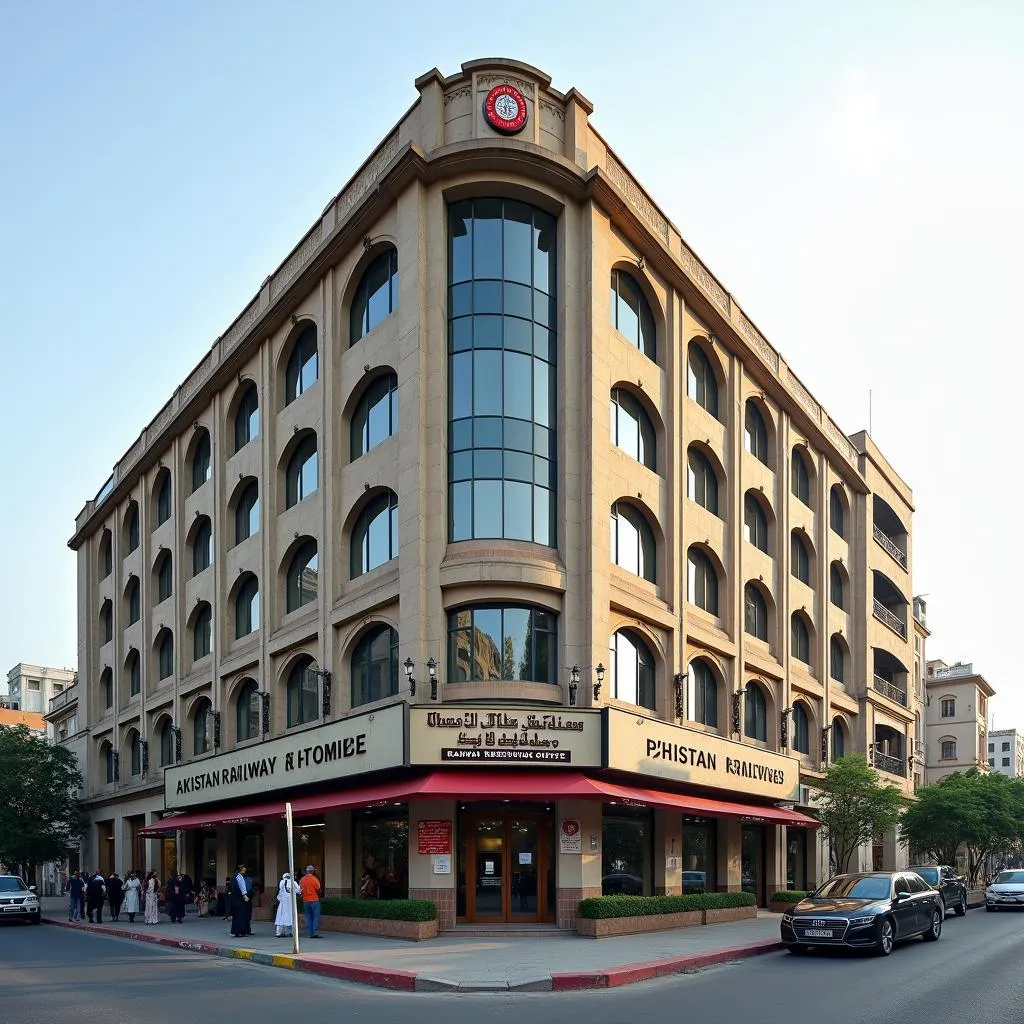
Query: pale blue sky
x,y
852,172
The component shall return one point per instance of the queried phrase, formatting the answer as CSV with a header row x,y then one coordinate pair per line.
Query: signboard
x,y
570,836
508,735
434,836
441,864
505,109
363,743
648,747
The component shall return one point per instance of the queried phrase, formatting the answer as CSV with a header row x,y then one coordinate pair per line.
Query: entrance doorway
x,y
752,866
509,868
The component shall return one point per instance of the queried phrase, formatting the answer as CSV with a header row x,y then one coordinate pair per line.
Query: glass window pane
x,y
518,385
487,507
461,504
518,524
460,233
487,383
518,242
487,247
487,643
515,643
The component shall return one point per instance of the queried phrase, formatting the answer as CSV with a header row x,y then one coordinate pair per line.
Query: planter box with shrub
x,y
413,920
602,916
784,899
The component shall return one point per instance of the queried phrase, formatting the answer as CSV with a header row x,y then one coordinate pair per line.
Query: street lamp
x,y
680,684
784,727
432,669
264,696
574,684
325,696
176,734
599,672
409,665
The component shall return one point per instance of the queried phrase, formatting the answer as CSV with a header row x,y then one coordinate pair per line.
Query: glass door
x,y
489,864
524,856
753,861
509,869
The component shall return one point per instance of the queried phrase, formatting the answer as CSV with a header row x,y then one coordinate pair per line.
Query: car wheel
x,y
886,938
942,906
989,908
37,919
934,929
961,907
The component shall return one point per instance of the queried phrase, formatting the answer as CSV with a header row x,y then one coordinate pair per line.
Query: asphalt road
x,y
972,975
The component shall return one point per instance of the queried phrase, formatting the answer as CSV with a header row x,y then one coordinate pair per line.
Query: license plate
x,y
818,933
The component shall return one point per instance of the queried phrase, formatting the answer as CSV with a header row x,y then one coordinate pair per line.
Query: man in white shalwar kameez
x,y
283,919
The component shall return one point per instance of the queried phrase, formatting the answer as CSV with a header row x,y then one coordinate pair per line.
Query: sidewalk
x,y
551,961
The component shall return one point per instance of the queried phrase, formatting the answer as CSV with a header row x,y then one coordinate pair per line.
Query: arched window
x,y
247,417
107,753
201,740
632,430
631,315
166,744
164,577
202,461
202,632
247,607
632,669
502,642
165,655
947,750
134,601
136,748
705,694
163,498
702,581
633,545
800,558
837,659
838,740
837,510
376,416
755,615
106,555
801,639
755,522
375,666
247,711
301,584
701,382
755,433
376,296
801,478
837,586
247,513
134,665
303,692
301,372
801,730
375,534
755,713
701,480
106,622
202,546
301,475
132,527
107,687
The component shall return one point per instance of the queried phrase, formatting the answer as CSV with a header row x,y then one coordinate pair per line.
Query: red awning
x,y
495,785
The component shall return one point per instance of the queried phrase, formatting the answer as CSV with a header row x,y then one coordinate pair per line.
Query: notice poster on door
x,y
525,857
570,836
434,836
441,864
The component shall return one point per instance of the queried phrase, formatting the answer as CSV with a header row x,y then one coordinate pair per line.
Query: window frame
x,y
361,296
702,582
799,556
754,510
704,684
385,388
755,713
646,338
755,615
297,595
305,451
245,415
755,438
647,543
248,591
541,622
243,508
362,661
305,350
204,620
800,639
644,683
702,387
800,484
700,477
202,460
623,404
300,690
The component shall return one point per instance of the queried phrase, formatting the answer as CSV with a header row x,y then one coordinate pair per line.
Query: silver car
x,y
18,902
1006,891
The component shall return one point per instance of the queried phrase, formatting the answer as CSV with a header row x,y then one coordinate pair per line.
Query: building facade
x,y
957,719
1006,752
495,536
32,687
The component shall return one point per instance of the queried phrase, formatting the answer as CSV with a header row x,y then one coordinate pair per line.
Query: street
x,y
971,975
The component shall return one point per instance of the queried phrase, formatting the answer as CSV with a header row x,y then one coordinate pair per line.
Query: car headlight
x,y
869,919
990,892
787,915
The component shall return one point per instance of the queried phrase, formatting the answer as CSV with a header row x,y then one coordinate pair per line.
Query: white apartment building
x,y
32,687
956,719
1006,752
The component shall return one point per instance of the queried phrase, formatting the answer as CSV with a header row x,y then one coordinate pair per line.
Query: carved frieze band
x,y
803,396
240,327
370,173
556,112
637,197
839,439
296,261
718,295
757,342
486,81
456,94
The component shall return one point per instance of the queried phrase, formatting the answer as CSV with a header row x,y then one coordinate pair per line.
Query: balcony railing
x,y
62,698
889,546
891,765
890,690
894,622
919,751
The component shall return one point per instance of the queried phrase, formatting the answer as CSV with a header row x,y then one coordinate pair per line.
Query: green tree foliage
x,y
854,805
39,819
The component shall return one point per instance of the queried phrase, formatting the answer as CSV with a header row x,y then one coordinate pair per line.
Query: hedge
x,y
789,896
601,907
380,910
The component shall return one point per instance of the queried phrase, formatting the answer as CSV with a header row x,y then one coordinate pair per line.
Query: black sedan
x,y
865,911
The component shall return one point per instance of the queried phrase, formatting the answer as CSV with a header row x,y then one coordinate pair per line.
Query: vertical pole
x,y
291,870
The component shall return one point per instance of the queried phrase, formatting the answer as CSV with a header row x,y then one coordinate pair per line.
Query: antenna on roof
x,y
870,421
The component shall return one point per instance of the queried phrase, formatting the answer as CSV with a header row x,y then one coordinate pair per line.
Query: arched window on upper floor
x,y
755,522
632,430
301,578
202,632
162,505
106,555
247,606
202,545
755,713
376,296
301,371
107,688
107,758
248,707
375,534
701,382
247,512
801,483
301,476
838,739
837,585
755,612
164,576
632,669
705,693
837,658
375,665
800,638
376,416
702,581
167,744
837,510
202,740
631,314
135,744
202,459
800,557
106,622
133,600
633,546
165,655
247,417
801,729
755,432
131,527
133,665
302,692
701,479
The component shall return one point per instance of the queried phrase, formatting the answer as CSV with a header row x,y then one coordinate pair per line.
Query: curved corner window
x,y
302,575
633,545
247,607
375,666
631,314
303,692
702,581
632,430
632,669
494,642
376,296
376,415
301,371
701,382
301,475
755,713
247,417
202,460
375,534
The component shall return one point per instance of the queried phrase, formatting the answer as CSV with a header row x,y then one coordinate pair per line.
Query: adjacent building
x,y
495,536
31,687
957,719
1006,752
32,721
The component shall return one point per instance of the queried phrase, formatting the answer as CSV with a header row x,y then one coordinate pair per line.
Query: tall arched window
x,y
202,546
701,382
247,513
632,669
301,582
755,522
375,666
301,372
502,354
502,642
202,460
705,694
801,477
132,527
134,601
136,748
107,622
701,480
837,586
837,659
247,417
838,740
837,510
755,713
801,729
376,296
134,665
107,753
375,534
107,687
165,655
106,555
202,632
755,614
301,475
633,544
801,639
166,744
376,416
631,315
800,557
164,577
755,433
702,581
303,692
202,742
247,607
163,499
632,430
247,711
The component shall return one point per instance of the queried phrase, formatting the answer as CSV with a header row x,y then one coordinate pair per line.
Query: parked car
x,y
1005,891
952,886
18,901
870,910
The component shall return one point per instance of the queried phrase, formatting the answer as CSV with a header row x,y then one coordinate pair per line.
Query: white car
x,y
1007,890
18,901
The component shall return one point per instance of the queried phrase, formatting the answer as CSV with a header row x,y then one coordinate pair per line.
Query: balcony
x,y
890,619
889,546
889,689
889,764
889,532
919,751
60,700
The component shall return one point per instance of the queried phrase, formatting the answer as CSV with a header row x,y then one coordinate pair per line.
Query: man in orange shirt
x,y
309,886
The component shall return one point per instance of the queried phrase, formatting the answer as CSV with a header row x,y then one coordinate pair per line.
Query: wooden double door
x,y
509,868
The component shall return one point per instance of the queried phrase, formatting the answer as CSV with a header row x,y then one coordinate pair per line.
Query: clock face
x,y
505,109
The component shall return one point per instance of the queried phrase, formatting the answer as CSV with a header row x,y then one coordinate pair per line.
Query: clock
x,y
505,109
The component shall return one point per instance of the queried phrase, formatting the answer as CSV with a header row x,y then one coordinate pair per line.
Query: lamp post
x,y
176,733
574,684
264,696
409,665
599,673
784,727
214,717
432,669
680,681
325,694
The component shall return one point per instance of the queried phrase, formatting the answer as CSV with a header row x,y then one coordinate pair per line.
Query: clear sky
x,y
853,172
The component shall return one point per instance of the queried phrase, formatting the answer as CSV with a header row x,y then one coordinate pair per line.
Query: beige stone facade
x,y
764,557
957,719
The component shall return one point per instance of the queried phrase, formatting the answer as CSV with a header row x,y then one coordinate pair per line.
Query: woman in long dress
x,y
132,896
283,920
152,899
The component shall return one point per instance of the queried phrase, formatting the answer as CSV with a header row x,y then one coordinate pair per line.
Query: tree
x,y
938,822
39,818
854,806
